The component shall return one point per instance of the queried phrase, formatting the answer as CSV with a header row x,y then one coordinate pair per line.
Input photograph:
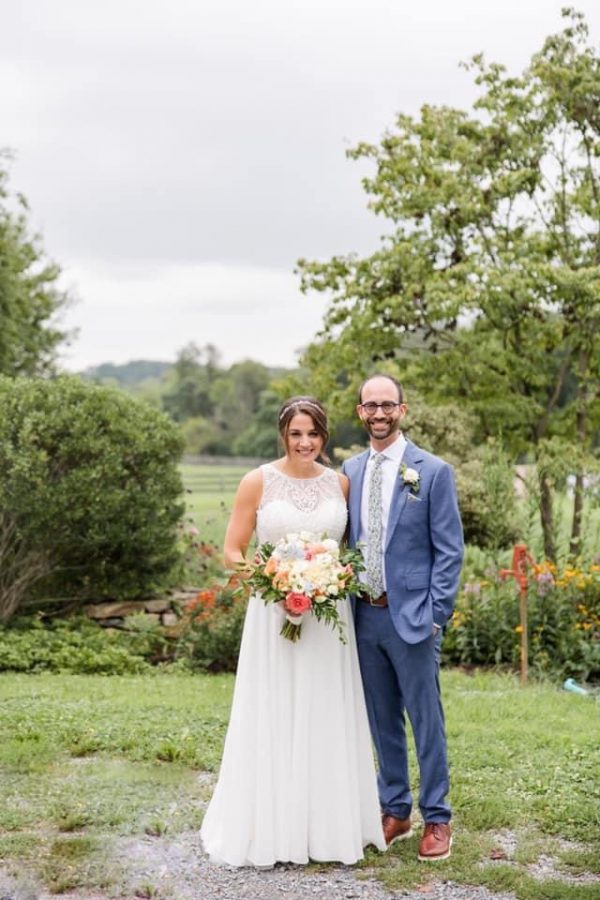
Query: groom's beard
x,y
383,429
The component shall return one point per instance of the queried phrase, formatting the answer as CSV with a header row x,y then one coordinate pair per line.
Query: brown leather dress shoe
x,y
396,829
436,841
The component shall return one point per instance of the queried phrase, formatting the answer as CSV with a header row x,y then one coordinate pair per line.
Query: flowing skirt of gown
x,y
297,779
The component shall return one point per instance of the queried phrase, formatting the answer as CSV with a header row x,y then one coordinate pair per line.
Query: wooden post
x,y
521,557
524,633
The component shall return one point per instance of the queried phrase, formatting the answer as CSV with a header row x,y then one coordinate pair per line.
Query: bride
x,y
297,779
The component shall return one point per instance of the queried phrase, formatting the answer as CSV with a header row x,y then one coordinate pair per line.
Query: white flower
x,y
411,477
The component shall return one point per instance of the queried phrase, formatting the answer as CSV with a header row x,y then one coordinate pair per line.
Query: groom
x,y
404,512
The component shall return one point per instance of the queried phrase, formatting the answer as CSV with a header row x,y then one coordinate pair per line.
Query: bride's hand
x,y
243,569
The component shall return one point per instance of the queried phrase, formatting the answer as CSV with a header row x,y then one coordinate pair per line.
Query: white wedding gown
x,y
297,779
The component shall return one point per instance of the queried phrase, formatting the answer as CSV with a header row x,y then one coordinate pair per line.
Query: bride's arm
x,y
344,485
242,521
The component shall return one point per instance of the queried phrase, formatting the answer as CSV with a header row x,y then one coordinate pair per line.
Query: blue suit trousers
x,y
399,679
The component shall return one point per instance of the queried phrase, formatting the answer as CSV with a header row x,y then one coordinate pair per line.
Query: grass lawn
x,y
88,760
209,495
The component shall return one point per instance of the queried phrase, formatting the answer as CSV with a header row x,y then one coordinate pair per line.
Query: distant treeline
x,y
221,410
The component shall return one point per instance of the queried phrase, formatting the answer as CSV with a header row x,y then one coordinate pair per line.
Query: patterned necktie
x,y
375,530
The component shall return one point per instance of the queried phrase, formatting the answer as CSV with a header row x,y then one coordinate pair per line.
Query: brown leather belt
x,y
382,600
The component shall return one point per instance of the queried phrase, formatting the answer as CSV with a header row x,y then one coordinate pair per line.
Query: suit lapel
x,y
411,458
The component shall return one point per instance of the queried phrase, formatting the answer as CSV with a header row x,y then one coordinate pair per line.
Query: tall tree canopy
x,y
29,295
487,290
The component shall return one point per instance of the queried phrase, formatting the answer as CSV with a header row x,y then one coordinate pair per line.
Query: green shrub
x,y
70,645
90,492
484,473
212,630
488,503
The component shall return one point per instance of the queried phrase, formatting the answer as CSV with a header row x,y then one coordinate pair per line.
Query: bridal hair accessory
x,y
305,573
295,403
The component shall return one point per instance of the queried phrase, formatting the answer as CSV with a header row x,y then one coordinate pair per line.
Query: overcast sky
x,y
180,156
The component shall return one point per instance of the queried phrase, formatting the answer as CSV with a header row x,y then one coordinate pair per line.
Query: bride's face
x,y
302,440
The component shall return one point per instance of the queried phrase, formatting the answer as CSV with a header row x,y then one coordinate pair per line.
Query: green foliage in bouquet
x,y
90,493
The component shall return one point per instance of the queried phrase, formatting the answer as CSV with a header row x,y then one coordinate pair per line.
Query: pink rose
x,y
297,604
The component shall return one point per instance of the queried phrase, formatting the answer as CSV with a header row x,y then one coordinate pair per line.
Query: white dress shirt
x,y
390,469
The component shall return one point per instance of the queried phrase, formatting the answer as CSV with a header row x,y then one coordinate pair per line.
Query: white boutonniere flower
x,y
410,477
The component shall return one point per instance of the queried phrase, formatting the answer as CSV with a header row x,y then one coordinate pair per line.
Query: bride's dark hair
x,y
310,406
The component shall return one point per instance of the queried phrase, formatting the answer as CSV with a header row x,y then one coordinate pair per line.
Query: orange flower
x,y
271,566
280,580
202,603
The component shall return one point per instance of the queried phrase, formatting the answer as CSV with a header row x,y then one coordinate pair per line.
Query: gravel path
x,y
163,868
177,869
197,879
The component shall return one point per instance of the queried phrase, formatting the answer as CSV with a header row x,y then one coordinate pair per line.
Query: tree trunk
x,y
581,430
547,518
575,545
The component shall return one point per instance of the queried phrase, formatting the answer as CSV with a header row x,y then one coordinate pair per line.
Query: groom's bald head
x,y
378,376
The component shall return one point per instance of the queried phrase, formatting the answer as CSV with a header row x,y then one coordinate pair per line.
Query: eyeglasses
x,y
387,407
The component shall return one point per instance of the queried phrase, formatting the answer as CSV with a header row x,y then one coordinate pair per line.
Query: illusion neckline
x,y
291,477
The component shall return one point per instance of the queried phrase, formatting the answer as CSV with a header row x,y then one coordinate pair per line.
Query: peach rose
x,y
271,566
281,580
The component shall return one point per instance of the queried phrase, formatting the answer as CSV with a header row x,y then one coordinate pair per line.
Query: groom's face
x,y
381,423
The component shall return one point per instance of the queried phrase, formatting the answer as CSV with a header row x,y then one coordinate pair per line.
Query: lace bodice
x,y
300,504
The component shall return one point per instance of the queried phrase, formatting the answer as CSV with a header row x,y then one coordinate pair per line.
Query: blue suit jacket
x,y
424,542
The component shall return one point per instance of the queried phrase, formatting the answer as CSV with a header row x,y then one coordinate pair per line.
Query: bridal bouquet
x,y
306,573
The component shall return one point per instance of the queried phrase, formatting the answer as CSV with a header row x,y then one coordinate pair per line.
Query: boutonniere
x,y
410,477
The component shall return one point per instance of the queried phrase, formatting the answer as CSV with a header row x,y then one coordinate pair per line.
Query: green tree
x,y
487,290
200,435
187,394
90,492
260,436
29,295
235,394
